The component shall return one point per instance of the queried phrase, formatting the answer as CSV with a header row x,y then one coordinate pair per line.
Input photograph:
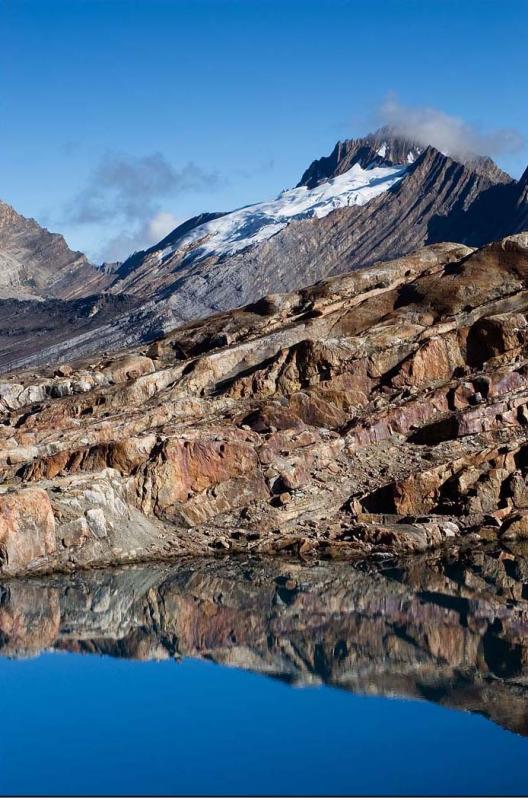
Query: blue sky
x,y
120,117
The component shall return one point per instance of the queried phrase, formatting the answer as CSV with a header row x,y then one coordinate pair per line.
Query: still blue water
x,y
91,724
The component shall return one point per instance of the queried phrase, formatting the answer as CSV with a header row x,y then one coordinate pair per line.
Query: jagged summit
x,y
387,146
381,148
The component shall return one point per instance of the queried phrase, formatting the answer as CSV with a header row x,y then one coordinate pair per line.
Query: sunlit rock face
x,y
451,628
37,264
379,412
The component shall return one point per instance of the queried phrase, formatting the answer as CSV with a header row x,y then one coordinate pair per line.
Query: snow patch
x,y
250,225
412,155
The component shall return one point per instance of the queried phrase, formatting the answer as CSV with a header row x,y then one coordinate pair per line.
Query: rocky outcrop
x,y
449,629
35,263
383,411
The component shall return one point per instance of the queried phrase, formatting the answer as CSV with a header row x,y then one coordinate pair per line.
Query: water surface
x,y
268,677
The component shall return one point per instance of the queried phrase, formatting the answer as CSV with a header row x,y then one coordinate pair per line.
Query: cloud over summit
x,y
449,134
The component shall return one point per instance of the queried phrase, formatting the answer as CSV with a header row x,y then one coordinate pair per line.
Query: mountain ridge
x,y
35,263
387,146
339,217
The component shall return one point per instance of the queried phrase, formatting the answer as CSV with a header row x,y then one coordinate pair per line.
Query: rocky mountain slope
x,y
376,208
382,411
449,630
372,199
35,263
519,218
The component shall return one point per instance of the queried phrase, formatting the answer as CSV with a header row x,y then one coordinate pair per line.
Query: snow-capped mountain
x,y
386,146
369,200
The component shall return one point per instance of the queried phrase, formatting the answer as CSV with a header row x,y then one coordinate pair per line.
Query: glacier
x,y
247,226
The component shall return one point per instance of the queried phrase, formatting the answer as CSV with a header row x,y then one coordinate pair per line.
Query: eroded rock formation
x,y
380,411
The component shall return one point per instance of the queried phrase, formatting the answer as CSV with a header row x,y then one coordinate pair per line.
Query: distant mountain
x,y
519,219
35,263
192,249
369,200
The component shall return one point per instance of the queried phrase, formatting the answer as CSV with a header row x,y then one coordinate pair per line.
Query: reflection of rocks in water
x,y
453,630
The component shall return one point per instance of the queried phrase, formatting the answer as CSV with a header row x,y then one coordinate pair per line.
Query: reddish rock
x,y
399,392
27,529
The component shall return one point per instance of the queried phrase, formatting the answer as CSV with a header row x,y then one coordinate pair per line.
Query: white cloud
x,y
452,135
160,225
140,237
130,187
124,193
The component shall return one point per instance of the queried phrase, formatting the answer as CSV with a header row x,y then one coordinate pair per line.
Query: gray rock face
x,y
35,263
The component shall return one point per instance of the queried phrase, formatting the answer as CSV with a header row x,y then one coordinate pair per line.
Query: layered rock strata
x,y
383,411
36,264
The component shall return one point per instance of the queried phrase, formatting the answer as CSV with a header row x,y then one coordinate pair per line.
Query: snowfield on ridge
x,y
255,223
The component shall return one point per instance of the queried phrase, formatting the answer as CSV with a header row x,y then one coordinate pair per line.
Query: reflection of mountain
x,y
452,631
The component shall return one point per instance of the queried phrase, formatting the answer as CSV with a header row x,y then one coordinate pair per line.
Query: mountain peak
x,y
387,147
384,147
394,146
